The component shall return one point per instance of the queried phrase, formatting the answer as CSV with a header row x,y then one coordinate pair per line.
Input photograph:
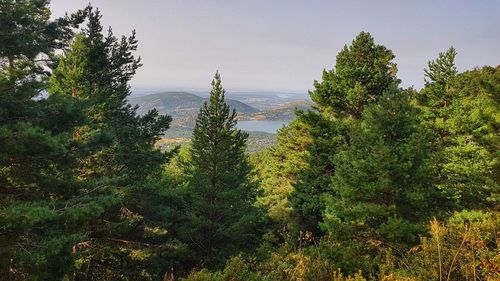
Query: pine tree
x,y
38,222
327,138
62,216
278,169
222,219
362,73
114,149
31,141
460,109
114,141
382,188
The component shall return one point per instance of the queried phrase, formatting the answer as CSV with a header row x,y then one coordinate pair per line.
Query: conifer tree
x,y
114,149
38,222
460,110
382,188
363,71
278,169
60,212
31,141
222,218
95,72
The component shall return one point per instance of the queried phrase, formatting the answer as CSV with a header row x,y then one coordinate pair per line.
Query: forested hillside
x,y
183,107
181,104
371,181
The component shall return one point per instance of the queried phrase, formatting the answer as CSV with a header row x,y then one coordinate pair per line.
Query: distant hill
x,y
283,112
184,108
181,104
172,103
264,100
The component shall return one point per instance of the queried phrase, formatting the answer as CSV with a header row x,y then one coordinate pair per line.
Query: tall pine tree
x,y
461,109
114,149
38,221
222,219
363,71
60,214
382,192
95,72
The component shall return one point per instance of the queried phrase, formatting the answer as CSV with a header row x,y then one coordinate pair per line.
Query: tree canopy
x,y
375,182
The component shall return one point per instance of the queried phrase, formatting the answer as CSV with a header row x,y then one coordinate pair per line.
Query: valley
x,y
261,114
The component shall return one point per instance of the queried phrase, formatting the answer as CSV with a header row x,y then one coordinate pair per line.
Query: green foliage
x,y
69,76
296,266
38,235
462,112
236,269
362,73
464,248
382,188
348,188
35,231
95,71
26,31
221,218
327,137
58,208
30,149
278,169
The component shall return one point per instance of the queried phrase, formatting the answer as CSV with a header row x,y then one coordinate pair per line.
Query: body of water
x,y
261,126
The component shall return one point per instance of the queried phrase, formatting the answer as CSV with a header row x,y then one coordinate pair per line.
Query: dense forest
x,y
375,182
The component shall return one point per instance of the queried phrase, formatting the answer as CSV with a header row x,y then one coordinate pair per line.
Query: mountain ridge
x,y
180,104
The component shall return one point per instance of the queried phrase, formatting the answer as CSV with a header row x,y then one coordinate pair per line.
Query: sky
x,y
284,45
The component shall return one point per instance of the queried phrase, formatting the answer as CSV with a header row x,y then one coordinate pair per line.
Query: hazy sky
x,y
284,45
